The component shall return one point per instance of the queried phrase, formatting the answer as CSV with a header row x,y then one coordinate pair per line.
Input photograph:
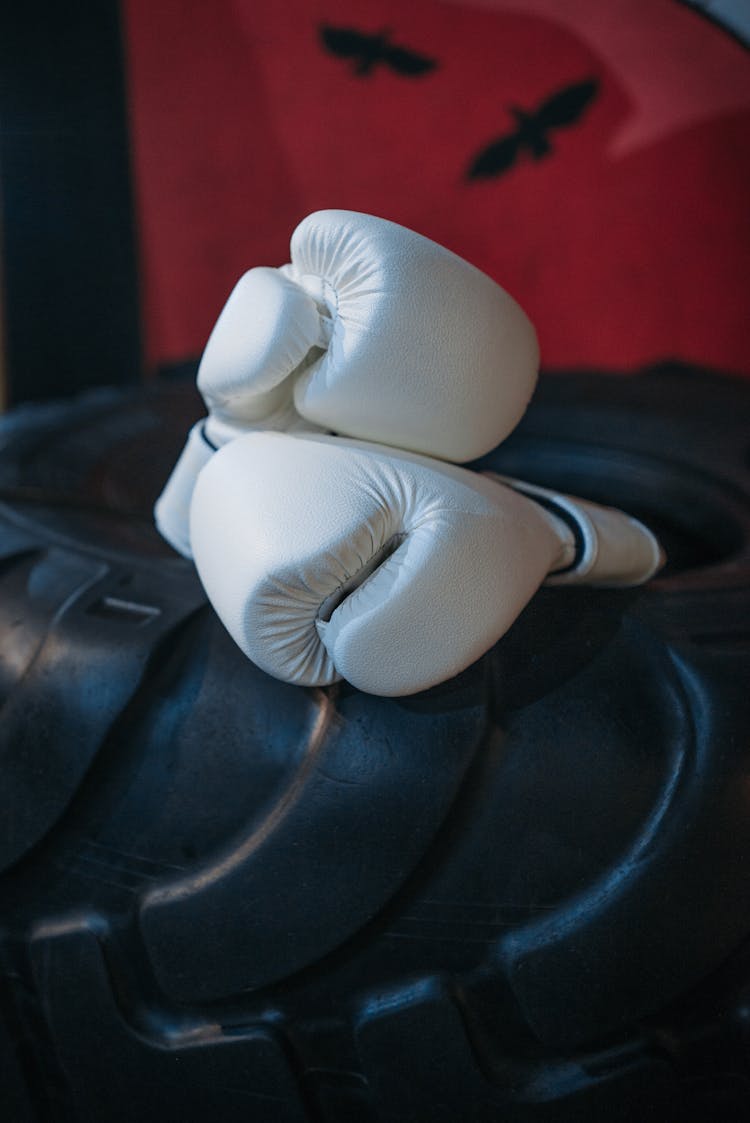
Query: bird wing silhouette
x,y
404,61
346,42
566,106
496,157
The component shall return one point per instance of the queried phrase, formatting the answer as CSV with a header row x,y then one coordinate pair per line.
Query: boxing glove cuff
x,y
612,549
172,508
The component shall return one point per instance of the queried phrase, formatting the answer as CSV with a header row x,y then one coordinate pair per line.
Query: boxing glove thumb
x,y
269,329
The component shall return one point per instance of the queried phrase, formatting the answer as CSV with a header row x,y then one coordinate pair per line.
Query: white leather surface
x,y
265,331
282,524
427,353
172,508
372,331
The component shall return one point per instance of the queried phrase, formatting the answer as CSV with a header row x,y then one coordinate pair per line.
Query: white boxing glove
x,y
327,558
372,331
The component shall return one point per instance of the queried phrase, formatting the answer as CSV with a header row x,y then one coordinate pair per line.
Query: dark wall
x,y
70,301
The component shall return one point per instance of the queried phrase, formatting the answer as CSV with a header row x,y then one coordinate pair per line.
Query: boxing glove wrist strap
x,y
610,547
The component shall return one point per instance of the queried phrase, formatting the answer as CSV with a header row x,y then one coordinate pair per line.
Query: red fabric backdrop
x,y
627,243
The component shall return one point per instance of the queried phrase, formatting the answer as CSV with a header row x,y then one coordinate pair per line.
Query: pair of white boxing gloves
x,y
367,555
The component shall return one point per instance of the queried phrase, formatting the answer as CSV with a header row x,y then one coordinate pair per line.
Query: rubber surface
x,y
519,896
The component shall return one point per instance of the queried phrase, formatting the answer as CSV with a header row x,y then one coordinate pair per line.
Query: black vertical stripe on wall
x,y
69,248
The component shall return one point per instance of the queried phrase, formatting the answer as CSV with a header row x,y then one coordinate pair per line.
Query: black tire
x,y
523,895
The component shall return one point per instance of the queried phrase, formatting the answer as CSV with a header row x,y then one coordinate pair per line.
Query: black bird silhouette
x,y
559,111
367,50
